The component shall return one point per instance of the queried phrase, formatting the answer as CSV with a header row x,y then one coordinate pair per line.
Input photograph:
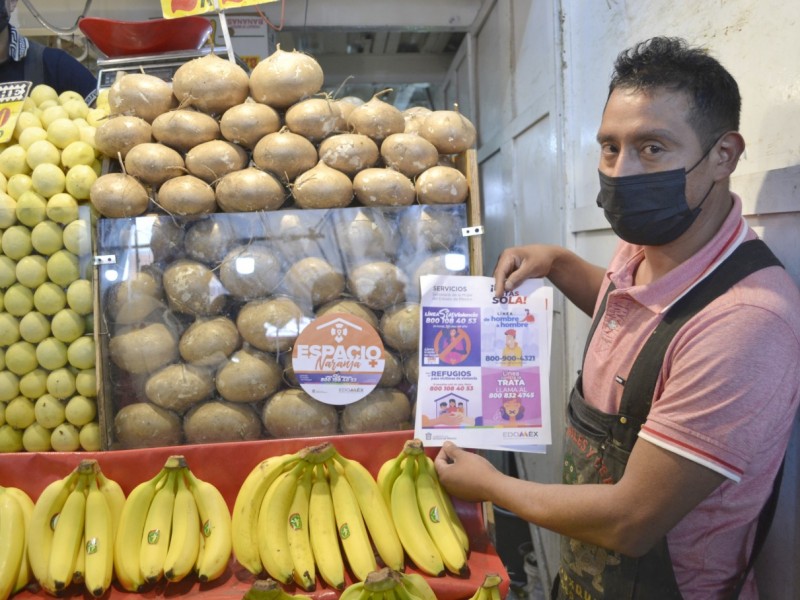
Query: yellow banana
x,y
489,589
304,569
215,529
273,540
377,515
350,524
67,537
79,561
157,528
436,521
26,504
417,586
98,549
447,504
387,475
128,540
115,498
244,520
40,531
413,534
12,549
322,531
184,542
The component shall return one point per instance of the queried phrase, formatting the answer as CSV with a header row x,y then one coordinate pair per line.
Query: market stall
x,y
327,255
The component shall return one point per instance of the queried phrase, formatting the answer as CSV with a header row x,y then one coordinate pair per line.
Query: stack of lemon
x,y
47,351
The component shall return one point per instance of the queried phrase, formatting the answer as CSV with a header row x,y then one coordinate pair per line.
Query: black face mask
x,y
4,16
649,209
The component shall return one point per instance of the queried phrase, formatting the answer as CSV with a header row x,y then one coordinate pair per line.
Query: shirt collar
x,y
661,294
17,44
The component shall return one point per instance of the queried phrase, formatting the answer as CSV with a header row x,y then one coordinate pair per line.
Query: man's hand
x,y
517,264
465,475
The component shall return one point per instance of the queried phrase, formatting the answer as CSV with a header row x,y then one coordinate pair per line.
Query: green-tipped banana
x,y
128,540
12,549
273,540
244,520
215,522
447,503
437,521
350,523
67,536
297,533
154,544
413,534
98,545
377,515
489,589
184,542
40,532
417,585
323,534
26,504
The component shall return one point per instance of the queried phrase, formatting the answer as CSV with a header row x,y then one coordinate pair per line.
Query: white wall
x,y
541,90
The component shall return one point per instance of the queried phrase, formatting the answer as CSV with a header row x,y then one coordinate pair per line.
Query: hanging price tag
x,y
172,9
12,96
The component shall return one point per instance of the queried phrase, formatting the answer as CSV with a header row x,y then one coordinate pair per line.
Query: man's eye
x,y
653,149
609,149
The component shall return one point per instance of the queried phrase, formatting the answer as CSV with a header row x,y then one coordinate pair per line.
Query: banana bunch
x,y
15,513
313,511
426,521
170,526
489,589
71,531
388,584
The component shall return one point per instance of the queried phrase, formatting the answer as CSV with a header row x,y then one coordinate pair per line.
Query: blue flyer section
x,y
484,364
451,337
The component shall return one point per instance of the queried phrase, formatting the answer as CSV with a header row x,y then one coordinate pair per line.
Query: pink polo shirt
x,y
726,395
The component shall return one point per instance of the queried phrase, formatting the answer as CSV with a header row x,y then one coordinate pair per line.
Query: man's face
x,y
646,132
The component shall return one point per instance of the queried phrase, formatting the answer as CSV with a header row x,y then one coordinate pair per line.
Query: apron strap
x,y
637,395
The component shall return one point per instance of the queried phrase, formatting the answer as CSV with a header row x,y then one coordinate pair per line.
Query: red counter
x,y
226,466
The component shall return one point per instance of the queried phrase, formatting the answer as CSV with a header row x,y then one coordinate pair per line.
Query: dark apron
x,y
597,446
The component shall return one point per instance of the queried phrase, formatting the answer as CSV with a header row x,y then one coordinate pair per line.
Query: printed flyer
x,y
484,364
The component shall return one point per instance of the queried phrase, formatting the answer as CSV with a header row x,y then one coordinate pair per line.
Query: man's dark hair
x,y
665,62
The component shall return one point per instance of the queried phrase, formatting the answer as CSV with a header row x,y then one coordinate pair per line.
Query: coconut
x,y
192,288
251,271
293,413
249,190
248,376
313,281
272,324
211,84
183,129
246,123
285,154
284,78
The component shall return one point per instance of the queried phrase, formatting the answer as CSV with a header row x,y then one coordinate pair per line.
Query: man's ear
x,y
728,150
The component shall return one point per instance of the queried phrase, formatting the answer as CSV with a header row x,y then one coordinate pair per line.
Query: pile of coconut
x,y
201,338
217,139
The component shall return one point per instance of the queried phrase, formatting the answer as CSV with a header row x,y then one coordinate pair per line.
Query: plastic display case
x,y
197,318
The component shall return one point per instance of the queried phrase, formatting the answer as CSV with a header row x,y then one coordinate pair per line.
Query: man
x,y
22,59
674,475
512,351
